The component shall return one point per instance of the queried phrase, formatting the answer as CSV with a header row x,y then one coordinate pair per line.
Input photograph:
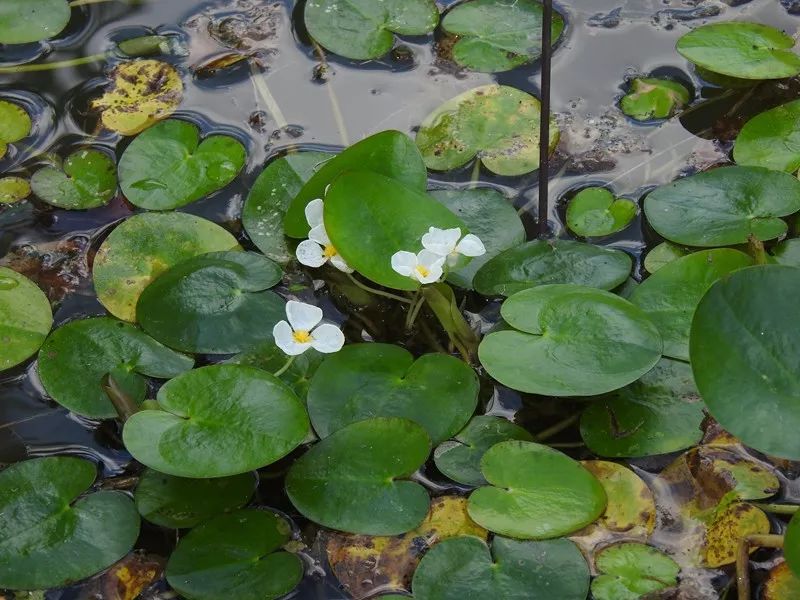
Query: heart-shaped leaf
x,y
745,350
362,381
534,492
216,303
497,124
631,570
26,21
237,555
389,153
363,29
145,246
87,179
771,139
570,340
595,212
791,544
13,189
177,502
743,50
652,98
15,123
189,436
76,356
460,458
25,318
498,35
543,262
369,217
464,568
356,480
724,207
50,537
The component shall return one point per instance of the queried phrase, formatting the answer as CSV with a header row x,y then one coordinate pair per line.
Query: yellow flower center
x,y
423,271
329,251
302,336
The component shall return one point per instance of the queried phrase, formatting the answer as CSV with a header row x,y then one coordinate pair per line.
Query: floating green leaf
x,y
464,568
743,50
791,544
653,98
369,217
145,246
663,254
659,413
15,123
745,352
76,356
771,139
177,502
460,458
87,179
498,35
27,21
52,538
595,212
787,253
543,262
724,207
631,570
189,435
570,340
362,381
363,29
237,555
497,124
356,480
13,189
534,492
670,296
25,318
270,196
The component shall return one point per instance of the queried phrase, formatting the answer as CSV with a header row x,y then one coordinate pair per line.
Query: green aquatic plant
x,y
653,98
595,212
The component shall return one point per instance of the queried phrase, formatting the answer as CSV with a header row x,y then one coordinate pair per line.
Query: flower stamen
x,y
423,270
329,251
302,336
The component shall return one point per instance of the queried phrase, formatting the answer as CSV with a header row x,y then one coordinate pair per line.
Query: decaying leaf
x,y
727,528
127,579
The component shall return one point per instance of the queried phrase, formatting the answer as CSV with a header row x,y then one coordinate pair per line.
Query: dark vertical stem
x,y
544,128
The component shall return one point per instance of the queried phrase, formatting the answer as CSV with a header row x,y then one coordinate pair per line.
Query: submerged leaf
x,y
653,98
13,189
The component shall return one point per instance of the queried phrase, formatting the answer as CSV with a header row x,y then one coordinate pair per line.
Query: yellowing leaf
x,y
726,531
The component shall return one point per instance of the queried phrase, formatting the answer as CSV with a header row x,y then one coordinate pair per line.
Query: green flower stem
x,y
285,367
778,509
377,292
52,66
557,428
743,559
124,404
413,311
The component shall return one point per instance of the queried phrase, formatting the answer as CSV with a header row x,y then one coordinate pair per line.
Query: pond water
x,y
606,43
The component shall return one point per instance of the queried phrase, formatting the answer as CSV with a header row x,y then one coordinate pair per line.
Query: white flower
x,y
303,331
317,249
425,267
449,243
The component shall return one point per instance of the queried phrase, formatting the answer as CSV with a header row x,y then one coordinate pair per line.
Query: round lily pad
x,y
86,179
362,381
498,35
189,435
670,296
465,568
178,502
543,262
659,413
631,507
363,29
25,21
791,544
740,49
488,215
631,570
15,123
724,207
142,92
395,216
770,139
270,196
726,530
216,303
460,458
782,583
534,492
51,538
570,340
745,349
237,555
595,212
25,318
13,189
76,356
497,124
356,480
652,98
168,166
663,254
145,246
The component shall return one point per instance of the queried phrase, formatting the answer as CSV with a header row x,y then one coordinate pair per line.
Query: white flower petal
x,y
314,212
430,260
327,338
404,263
319,235
311,254
433,274
302,316
471,245
284,339
441,241
338,262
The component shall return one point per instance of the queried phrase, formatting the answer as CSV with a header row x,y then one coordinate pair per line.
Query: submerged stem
x,y
260,83
285,367
337,111
52,66
378,292
557,428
